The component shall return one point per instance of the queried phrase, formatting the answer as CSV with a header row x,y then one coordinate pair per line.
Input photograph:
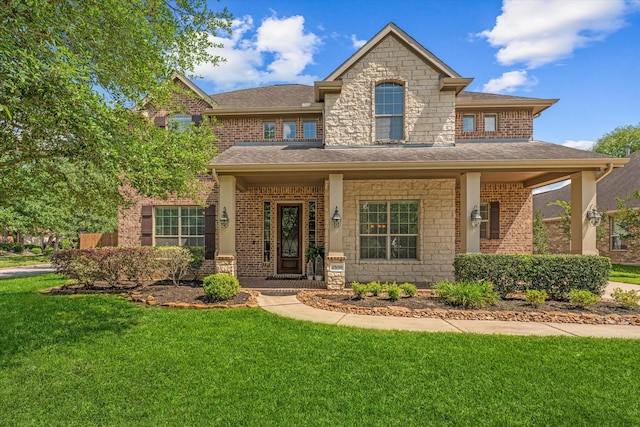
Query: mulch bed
x,y
425,304
186,295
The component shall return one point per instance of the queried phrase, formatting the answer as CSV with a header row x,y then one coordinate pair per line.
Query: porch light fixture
x,y
224,218
594,217
336,218
476,218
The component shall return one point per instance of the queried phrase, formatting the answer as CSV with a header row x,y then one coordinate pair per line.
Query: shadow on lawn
x,y
31,321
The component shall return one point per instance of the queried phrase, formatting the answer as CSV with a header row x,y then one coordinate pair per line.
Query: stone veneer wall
x,y
249,225
436,241
516,223
429,114
559,244
510,124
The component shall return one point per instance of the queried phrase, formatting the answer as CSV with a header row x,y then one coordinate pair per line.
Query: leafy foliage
x,y
72,71
627,217
627,299
614,143
557,275
582,298
409,289
375,288
535,297
221,287
359,289
174,262
540,234
467,294
393,291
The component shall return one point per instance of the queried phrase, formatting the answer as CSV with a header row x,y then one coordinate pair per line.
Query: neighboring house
x,y
383,163
620,183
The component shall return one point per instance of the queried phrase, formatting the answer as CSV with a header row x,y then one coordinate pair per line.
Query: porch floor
x,y
262,284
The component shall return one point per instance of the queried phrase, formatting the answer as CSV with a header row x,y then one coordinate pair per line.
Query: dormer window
x,y
389,109
182,121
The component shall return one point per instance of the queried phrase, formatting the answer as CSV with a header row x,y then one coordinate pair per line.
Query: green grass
x,y
99,360
22,260
625,274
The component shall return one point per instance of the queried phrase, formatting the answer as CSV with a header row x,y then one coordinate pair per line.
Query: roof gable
x,y
192,87
392,30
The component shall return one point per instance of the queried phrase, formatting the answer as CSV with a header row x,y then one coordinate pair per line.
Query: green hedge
x,y
555,274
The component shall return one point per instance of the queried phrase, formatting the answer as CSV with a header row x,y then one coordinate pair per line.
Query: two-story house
x,y
388,163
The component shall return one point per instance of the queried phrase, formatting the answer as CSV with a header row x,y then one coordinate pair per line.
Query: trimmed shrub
x,y
49,251
555,274
394,291
582,298
375,288
535,297
139,264
18,248
627,299
359,289
409,289
467,294
174,261
36,251
197,260
221,287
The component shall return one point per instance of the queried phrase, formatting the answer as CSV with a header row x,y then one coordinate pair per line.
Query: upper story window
x,y
269,130
309,129
182,121
389,98
289,130
468,123
490,121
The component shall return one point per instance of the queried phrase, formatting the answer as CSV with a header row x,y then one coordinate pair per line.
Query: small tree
x,y
565,218
540,234
629,218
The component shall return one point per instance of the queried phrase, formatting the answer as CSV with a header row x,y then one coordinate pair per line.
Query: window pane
x,y
490,123
309,130
404,247
389,128
373,218
373,247
404,218
167,241
193,241
389,98
269,130
289,130
266,226
167,221
192,221
468,123
180,122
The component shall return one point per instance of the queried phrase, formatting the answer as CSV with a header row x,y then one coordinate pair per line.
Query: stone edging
x,y
309,298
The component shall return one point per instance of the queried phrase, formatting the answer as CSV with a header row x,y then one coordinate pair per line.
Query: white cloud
x,y
509,82
357,44
279,50
581,145
537,32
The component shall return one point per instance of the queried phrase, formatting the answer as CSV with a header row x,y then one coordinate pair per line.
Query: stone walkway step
x,y
287,305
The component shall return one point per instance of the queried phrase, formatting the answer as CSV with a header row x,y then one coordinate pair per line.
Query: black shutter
x,y
196,120
147,225
210,232
160,121
494,219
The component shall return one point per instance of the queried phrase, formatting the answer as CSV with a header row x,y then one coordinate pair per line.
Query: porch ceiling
x,y
534,163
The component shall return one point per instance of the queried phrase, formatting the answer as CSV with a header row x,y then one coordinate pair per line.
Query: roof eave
x,y
537,106
312,108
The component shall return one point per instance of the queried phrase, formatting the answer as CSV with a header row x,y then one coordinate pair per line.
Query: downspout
x,y
214,175
605,173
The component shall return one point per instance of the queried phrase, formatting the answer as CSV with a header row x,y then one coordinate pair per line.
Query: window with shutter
x,y
494,219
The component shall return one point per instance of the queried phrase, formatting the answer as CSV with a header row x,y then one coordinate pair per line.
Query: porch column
x,y
335,263
583,198
226,254
469,199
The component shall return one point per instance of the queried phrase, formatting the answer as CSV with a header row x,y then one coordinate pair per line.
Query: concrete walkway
x,y
287,305
29,270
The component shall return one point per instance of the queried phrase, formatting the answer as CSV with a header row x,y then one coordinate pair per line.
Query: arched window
x,y
389,110
182,121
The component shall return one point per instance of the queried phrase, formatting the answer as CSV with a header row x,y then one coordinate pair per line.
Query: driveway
x,y
30,270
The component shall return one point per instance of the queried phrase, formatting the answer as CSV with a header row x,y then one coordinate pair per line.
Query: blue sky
x,y
584,52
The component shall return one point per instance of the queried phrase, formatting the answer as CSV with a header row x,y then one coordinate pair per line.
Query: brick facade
x,y
516,226
509,125
436,241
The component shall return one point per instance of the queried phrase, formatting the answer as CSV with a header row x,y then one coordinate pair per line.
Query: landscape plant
x,y
174,261
220,287
467,294
409,289
359,289
393,291
582,298
535,297
627,299
375,288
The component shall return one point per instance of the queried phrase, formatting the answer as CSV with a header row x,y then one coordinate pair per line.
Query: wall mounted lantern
x,y
476,218
224,218
336,218
594,217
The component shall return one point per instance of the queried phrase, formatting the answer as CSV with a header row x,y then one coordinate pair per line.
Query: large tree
x,y
615,142
70,73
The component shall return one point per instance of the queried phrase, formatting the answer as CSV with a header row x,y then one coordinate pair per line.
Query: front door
x,y
289,254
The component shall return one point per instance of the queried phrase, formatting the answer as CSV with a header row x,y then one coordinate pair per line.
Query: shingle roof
x,y
481,96
619,183
526,153
288,95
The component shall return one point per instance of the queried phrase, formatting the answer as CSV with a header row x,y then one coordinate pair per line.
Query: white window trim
x,y
179,236
495,122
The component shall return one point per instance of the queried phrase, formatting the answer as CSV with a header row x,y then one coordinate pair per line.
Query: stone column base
x,y
226,264
335,271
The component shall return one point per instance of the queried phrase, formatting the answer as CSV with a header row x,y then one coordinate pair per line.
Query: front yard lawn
x,y
625,273
12,260
100,360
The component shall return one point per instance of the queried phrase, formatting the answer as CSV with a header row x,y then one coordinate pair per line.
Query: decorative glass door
x,y
289,253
